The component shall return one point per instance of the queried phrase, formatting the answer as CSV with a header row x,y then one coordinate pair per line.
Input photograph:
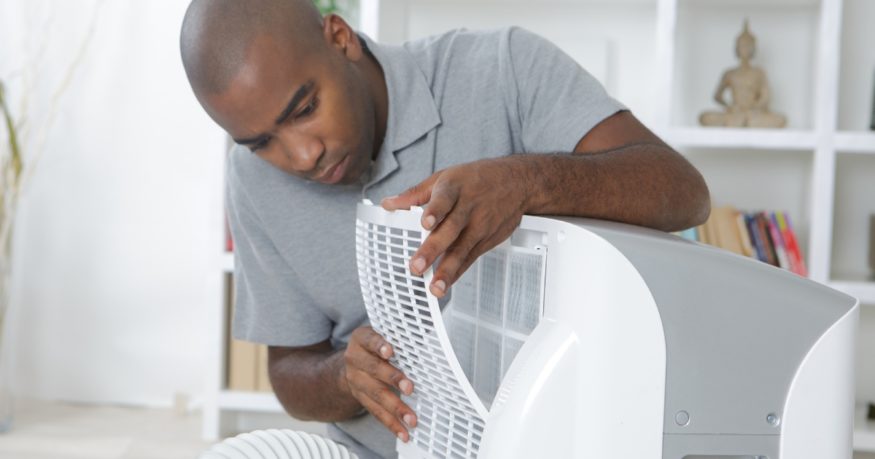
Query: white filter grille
x,y
456,358
450,415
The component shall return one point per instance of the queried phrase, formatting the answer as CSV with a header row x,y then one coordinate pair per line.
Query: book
x,y
262,378
778,242
746,243
242,365
242,356
730,236
759,245
762,227
789,236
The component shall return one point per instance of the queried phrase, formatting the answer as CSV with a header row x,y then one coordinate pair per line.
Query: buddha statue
x,y
749,91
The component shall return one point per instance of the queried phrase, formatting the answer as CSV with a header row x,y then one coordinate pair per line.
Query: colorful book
x,y
744,233
791,243
762,227
778,242
759,246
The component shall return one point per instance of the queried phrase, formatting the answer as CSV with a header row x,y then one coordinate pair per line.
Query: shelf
x,y
765,139
256,402
226,262
862,290
855,142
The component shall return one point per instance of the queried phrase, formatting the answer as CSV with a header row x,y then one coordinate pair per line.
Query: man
x,y
479,128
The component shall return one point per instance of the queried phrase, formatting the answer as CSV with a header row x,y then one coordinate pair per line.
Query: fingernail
x,y
406,386
402,437
418,265
439,287
429,222
409,420
384,351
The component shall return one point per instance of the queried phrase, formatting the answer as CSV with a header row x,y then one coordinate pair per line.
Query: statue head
x,y
746,44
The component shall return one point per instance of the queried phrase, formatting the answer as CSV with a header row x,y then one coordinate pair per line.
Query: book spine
x,y
744,234
778,242
759,248
792,244
768,244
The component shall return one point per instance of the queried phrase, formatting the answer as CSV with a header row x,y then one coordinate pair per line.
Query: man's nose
x,y
302,150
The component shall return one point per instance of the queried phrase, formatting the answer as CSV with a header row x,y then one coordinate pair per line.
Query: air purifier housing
x,y
590,339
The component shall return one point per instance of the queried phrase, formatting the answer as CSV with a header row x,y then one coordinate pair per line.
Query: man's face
x,y
307,112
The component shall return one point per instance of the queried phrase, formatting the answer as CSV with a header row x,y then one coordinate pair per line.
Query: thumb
x,y
418,195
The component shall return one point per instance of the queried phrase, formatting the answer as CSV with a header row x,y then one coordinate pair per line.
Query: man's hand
x,y
373,381
471,208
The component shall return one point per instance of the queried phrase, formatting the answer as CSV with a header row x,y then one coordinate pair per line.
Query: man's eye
x,y
310,108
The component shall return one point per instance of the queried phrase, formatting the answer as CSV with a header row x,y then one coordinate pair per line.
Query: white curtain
x,y
117,232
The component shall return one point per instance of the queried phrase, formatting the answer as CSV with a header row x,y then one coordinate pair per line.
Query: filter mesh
x,y
451,420
495,306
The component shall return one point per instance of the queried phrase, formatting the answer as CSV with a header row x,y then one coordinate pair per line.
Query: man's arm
x,y
619,171
321,383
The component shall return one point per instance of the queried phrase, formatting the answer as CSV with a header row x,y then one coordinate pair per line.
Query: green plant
x,y
328,6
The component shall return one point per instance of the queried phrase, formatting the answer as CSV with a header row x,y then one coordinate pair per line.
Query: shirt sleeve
x,y
557,101
271,306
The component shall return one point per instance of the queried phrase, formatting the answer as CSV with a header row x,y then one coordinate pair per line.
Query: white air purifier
x,y
586,339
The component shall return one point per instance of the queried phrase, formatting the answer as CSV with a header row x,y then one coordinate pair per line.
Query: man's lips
x,y
334,173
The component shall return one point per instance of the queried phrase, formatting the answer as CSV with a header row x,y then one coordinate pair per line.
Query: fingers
x,y
455,263
373,381
444,197
438,241
368,352
386,417
416,196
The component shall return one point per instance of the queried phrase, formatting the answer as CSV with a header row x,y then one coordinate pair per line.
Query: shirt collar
x,y
412,110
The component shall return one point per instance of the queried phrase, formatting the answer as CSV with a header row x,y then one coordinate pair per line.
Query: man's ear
x,y
340,36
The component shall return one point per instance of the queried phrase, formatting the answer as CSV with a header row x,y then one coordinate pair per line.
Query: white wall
x,y
116,232
613,40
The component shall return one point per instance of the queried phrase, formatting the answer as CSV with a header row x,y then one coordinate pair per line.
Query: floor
x,y
45,430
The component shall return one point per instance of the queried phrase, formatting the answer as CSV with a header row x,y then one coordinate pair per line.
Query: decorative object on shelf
x,y
749,90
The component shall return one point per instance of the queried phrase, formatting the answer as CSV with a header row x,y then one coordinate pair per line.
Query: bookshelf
x,y
663,59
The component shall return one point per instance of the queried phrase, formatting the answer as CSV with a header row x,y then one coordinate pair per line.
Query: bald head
x,y
217,35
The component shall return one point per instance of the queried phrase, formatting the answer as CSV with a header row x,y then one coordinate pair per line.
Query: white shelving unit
x,y
663,59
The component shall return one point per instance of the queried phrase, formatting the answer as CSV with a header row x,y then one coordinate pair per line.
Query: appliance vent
x,y
455,358
450,416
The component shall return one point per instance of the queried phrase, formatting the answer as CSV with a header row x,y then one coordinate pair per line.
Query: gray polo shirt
x,y
453,98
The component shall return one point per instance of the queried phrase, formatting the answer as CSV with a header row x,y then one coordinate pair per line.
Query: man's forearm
x,y
311,385
644,184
